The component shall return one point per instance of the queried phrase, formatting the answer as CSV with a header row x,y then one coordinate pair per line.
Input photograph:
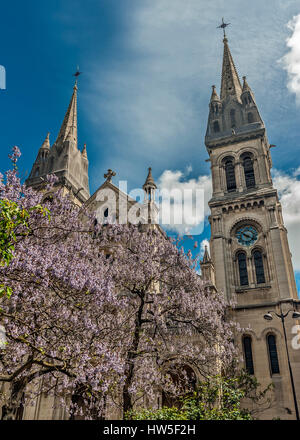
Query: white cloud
x,y
288,187
291,61
289,193
177,183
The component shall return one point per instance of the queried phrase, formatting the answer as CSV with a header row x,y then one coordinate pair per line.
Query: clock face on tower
x,y
246,235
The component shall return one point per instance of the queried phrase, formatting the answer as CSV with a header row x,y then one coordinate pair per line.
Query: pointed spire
x,y
214,95
230,84
206,256
149,181
69,125
46,143
84,152
246,87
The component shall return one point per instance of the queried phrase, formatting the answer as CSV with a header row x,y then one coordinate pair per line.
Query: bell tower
x,y
249,244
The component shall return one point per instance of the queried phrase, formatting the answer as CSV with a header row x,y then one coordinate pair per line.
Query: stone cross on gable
x,y
108,176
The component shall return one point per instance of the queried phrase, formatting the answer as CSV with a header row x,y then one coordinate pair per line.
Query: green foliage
x,y
13,224
218,398
156,414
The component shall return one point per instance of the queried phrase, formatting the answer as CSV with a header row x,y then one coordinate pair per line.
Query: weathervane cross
x,y
223,26
108,176
77,73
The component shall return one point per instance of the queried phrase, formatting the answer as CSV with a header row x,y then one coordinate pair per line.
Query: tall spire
x,y
69,125
230,83
149,206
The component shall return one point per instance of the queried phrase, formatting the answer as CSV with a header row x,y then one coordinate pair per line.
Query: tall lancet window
x,y
249,172
230,175
273,356
242,266
259,267
247,346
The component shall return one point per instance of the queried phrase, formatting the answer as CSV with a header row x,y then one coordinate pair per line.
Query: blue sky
x,y
148,67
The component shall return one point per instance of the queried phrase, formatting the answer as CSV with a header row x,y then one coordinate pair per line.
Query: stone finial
x,y
206,256
214,95
46,143
246,87
149,183
108,176
84,152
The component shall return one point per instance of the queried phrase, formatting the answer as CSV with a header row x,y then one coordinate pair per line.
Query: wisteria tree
x,y
61,289
102,311
172,324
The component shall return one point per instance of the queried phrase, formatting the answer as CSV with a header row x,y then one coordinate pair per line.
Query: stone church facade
x,y
249,245
249,259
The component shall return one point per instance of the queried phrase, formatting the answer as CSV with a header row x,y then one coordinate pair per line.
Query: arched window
x,y
242,264
273,357
247,346
249,172
250,118
216,127
230,175
232,118
106,213
259,267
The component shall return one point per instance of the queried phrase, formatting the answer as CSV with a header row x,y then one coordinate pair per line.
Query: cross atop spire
x,y
69,125
223,26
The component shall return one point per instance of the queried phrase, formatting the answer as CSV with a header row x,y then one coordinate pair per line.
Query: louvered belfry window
x,y
259,267
230,175
242,262
216,127
274,364
232,118
247,345
249,172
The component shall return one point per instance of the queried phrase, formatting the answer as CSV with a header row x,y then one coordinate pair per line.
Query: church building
x,y
250,259
249,245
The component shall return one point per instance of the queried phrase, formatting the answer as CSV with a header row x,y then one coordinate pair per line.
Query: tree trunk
x,y
131,355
